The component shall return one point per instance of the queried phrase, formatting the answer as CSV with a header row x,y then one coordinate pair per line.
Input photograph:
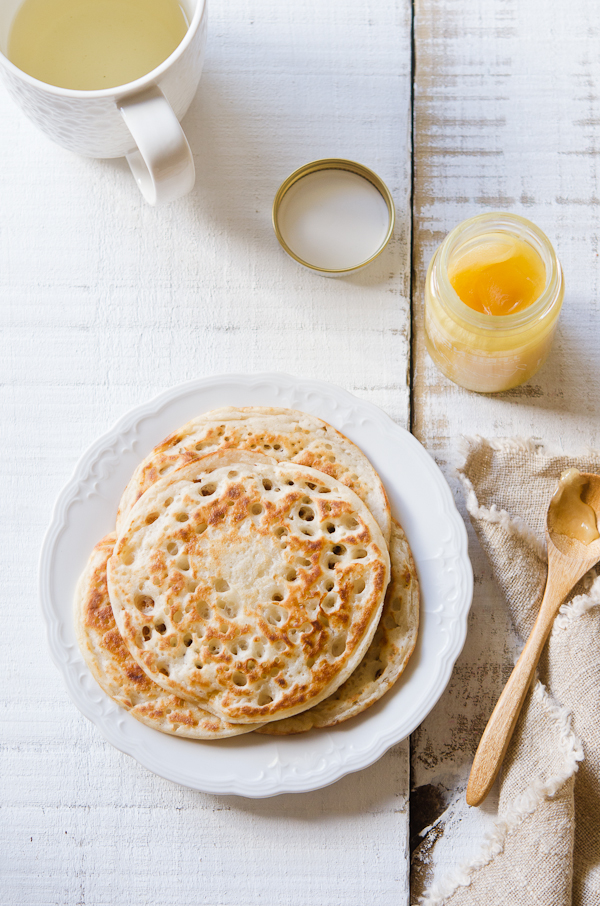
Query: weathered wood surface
x,y
507,110
105,302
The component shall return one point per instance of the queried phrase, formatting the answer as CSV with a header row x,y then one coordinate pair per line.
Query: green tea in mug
x,y
94,44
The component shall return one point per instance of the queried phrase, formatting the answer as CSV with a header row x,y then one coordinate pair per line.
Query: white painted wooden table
x,y
106,301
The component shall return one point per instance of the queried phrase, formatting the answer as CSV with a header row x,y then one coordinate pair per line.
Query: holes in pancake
x,y
172,548
198,665
221,585
201,528
324,491
256,509
208,490
359,586
227,609
199,447
151,518
144,603
258,649
239,678
310,662
331,561
191,585
329,585
281,532
146,633
160,627
291,575
168,501
330,527
183,563
330,603
339,645
306,531
306,627
250,664
238,645
349,522
330,457
164,671
339,550
177,616
310,485
380,670
232,474
359,553
223,627
306,513
280,646
214,646
277,595
290,483
173,641
264,698
165,469
203,610
127,556
354,476
294,636
267,485
187,639
181,517
302,561
276,616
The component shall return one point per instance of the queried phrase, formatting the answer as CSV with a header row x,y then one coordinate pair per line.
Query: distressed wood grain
x,y
106,302
506,116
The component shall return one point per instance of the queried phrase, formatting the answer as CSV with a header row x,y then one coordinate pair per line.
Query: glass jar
x,y
483,352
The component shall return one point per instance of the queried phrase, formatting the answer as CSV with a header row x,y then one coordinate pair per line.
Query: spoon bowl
x,y
571,547
568,561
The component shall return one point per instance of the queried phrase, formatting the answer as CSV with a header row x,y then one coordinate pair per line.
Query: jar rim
x,y
515,226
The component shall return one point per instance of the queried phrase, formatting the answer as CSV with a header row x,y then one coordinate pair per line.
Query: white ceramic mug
x,y
139,121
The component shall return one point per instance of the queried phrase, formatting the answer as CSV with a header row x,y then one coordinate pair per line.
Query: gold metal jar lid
x,y
333,216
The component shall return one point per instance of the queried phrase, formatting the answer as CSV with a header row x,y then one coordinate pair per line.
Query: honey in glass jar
x,y
493,295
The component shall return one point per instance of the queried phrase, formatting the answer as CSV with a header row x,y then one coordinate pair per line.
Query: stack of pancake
x,y
255,581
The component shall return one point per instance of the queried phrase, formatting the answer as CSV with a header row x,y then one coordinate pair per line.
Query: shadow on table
x,y
566,383
366,792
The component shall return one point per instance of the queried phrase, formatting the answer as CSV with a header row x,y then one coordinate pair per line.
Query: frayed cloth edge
x,y
523,806
512,525
523,444
579,606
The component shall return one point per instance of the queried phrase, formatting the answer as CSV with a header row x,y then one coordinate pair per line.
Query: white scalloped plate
x,y
253,765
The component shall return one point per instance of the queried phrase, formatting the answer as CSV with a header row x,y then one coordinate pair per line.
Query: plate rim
x,y
115,731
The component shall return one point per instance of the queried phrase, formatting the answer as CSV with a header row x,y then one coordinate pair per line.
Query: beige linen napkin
x,y
545,847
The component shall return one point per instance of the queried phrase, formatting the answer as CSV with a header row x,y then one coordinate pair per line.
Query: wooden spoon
x,y
568,561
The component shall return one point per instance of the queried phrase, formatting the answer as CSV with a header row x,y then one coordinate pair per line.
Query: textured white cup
x,y
139,120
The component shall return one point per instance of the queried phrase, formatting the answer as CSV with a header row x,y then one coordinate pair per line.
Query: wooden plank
x,y
106,302
507,101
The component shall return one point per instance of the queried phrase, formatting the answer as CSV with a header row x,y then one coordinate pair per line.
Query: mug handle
x,y
162,164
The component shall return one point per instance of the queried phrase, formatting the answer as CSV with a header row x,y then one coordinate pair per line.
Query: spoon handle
x,y
499,730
